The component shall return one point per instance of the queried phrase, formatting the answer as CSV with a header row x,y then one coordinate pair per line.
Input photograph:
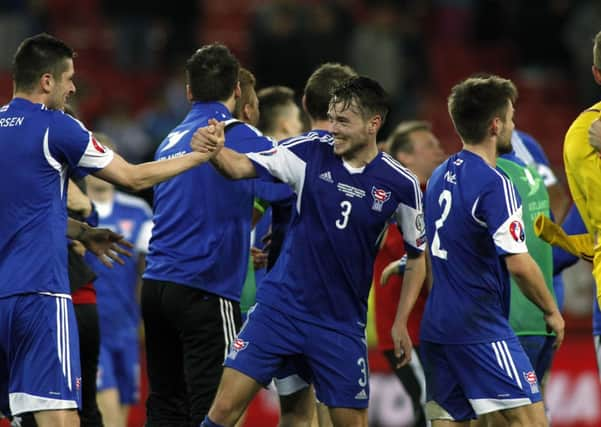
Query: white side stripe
x,y
515,373
58,331
231,323
494,347
67,338
53,162
504,358
229,327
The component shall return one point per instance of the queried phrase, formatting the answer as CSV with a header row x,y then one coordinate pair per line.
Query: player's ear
x,y
304,103
189,93
495,126
596,74
46,82
375,123
237,91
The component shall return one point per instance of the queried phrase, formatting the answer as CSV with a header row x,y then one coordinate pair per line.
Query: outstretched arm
x,y
229,163
144,175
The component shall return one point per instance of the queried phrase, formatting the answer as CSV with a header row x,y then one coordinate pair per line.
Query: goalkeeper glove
x,y
580,245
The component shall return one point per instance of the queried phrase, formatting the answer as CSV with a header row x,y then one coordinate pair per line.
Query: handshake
x,y
209,140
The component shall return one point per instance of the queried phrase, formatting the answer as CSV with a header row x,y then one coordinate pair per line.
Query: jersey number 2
x,y
346,211
444,200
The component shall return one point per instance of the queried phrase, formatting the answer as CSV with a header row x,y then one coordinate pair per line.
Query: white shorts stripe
x,y
231,323
494,347
67,339
504,358
225,331
515,372
58,330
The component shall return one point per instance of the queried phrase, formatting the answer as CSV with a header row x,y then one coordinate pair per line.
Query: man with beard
x,y
476,233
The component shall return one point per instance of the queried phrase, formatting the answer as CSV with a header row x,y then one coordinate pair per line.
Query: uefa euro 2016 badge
x,y
530,377
237,346
516,229
380,197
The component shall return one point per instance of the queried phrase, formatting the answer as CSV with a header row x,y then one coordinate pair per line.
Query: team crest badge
x,y
126,227
530,378
237,346
380,197
516,229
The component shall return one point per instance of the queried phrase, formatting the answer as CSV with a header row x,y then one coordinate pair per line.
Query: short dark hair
x,y
369,96
400,141
319,87
36,56
272,100
212,73
247,81
476,101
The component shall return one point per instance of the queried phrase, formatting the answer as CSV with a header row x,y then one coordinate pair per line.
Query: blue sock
x,y
208,423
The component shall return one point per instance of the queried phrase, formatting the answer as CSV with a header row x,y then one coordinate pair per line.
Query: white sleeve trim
x,y
412,225
144,235
510,236
283,164
96,155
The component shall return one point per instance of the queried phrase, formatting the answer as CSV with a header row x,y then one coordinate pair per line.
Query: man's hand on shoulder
x,y
208,140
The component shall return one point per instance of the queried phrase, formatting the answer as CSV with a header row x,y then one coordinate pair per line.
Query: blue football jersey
x,y
202,221
473,218
530,152
40,149
118,307
323,274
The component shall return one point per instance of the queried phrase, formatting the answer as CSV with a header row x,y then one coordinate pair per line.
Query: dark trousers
x,y
411,385
188,332
89,347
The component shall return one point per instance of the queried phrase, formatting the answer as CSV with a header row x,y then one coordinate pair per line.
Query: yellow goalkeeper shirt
x,y
583,170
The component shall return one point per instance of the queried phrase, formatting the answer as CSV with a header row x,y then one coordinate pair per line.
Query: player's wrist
x,y
83,230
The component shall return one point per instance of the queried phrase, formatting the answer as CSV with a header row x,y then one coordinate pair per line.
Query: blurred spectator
x,y
139,31
131,140
158,120
389,48
17,21
583,23
277,37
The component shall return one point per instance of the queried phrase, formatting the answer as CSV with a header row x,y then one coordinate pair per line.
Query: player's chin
x,y
339,148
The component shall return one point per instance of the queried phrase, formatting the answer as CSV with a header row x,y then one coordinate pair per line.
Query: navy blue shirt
x,y
202,221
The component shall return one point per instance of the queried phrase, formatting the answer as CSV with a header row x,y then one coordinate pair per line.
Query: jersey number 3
x,y
346,206
444,200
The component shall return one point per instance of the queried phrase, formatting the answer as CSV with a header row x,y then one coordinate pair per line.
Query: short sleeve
x,y
69,140
499,209
409,217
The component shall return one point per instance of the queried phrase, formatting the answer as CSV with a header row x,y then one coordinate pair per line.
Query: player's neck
x,y
363,157
486,150
36,98
320,125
